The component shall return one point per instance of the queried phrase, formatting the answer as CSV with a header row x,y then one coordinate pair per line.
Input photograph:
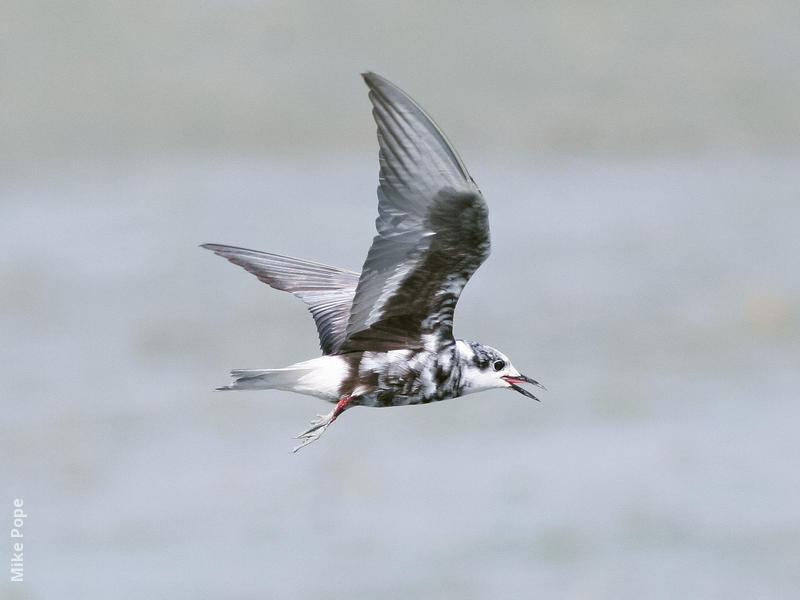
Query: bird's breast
x,y
402,377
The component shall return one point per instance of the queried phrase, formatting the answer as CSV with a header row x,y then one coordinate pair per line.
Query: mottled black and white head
x,y
484,368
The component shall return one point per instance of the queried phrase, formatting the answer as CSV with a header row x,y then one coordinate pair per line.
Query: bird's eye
x,y
499,365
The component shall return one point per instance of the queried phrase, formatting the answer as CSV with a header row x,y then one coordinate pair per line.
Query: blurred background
x,y
642,165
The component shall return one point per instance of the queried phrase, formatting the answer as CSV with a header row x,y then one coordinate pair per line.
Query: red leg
x,y
340,406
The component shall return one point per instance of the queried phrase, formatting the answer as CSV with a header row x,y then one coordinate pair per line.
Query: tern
x,y
386,333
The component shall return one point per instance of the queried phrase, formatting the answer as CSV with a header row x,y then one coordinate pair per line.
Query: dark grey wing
x,y
433,231
328,291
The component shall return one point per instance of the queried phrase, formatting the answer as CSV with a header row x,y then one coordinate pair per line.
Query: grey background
x,y
641,165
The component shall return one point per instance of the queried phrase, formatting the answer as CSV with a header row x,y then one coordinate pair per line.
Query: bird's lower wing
x,y
328,291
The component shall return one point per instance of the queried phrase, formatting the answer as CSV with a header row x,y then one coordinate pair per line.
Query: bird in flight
x,y
386,333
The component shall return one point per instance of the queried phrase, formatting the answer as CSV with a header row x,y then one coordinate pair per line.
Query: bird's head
x,y
484,368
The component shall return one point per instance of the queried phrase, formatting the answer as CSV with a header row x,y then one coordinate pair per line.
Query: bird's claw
x,y
313,433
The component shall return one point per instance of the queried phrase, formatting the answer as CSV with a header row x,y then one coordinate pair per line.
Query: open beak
x,y
513,380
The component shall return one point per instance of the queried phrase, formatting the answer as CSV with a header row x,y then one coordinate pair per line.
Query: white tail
x,y
264,379
318,377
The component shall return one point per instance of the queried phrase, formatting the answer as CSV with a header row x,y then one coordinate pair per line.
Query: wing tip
x,y
225,251
375,81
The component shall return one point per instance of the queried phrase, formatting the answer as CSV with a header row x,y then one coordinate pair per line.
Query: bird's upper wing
x,y
433,231
328,291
